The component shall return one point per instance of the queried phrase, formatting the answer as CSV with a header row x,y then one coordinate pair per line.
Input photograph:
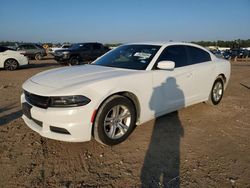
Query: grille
x,y
36,100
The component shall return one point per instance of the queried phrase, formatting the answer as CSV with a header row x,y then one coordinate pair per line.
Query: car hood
x,y
83,74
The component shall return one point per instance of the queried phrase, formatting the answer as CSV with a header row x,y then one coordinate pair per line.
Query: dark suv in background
x,y
80,52
32,51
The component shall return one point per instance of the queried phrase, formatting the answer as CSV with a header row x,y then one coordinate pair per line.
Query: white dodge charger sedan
x,y
127,86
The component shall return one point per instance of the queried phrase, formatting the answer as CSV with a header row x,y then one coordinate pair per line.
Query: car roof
x,y
88,43
164,44
167,43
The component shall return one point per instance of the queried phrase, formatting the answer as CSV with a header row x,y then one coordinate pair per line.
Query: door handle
x,y
189,74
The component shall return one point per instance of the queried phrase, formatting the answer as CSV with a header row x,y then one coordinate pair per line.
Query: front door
x,y
172,89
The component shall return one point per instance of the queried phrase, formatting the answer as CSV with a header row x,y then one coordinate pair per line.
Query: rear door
x,y
173,89
204,71
86,52
97,50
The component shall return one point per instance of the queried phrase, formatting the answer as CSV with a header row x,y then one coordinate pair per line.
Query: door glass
x,y
197,55
96,47
175,53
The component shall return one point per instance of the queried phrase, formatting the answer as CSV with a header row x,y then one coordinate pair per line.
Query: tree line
x,y
221,43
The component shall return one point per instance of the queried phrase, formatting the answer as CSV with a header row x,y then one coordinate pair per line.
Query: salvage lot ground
x,y
200,146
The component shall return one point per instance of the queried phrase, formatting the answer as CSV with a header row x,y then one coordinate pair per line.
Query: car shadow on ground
x,y
6,116
162,161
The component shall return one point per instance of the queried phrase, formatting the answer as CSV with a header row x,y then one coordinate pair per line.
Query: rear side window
x,y
197,55
31,47
175,53
26,47
22,47
97,46
2,49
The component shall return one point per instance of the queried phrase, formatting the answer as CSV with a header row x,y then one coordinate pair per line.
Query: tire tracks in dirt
x,y
45,156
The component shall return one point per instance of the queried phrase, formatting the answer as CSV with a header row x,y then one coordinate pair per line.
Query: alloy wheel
x,y
217,91
11,64
117,122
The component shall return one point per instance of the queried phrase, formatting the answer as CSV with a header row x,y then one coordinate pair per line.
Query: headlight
x,y
65,53
69,101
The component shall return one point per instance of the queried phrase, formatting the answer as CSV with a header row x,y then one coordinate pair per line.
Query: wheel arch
x,y
134,99
129,95
223,77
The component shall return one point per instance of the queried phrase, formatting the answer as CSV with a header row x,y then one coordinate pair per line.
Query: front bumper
x,y
76,120
61,58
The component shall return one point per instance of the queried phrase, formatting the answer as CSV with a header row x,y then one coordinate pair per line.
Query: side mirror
x,y
166,65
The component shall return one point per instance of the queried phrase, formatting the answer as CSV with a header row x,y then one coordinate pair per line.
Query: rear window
x,y
3,49
197,55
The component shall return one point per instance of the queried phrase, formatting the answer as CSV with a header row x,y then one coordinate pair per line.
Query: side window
x,y
1,49
86,47
31,47
22,47
25,47
197,55
97,47
176,53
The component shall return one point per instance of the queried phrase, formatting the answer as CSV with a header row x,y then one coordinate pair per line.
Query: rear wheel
x,y
115,120
11,64
74,61
217,92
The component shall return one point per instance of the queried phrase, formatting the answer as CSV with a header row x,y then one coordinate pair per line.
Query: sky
x,y
121,21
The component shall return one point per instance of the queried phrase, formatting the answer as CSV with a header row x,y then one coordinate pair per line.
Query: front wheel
x,y
38,56
217,92
115,120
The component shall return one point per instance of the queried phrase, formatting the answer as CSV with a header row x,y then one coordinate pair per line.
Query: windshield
x,y
129,57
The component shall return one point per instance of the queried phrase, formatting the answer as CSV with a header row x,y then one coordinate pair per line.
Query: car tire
x,y
11,64
38,56
114,121
74,61
217,91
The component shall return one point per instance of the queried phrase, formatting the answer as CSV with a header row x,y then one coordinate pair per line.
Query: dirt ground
x,y
199,146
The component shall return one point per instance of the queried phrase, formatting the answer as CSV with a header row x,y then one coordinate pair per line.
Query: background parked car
x,y
10,59
80,52
53,49
239,53
227,54
217,53
33,51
